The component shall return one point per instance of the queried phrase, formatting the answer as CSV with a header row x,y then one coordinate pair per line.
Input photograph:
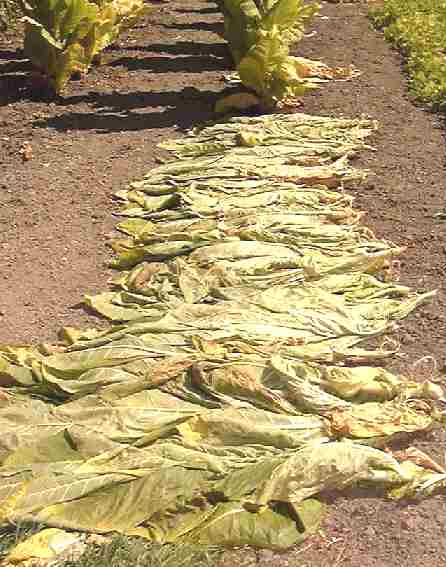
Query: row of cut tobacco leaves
x,y
418,29
234,385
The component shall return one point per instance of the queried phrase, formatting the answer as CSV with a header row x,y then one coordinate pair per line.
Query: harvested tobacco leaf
x,y
235,383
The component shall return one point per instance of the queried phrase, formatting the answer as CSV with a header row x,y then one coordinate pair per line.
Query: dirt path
x,y
400,202
55,212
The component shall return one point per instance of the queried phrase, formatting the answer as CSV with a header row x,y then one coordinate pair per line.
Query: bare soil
x,y
165,76
55,213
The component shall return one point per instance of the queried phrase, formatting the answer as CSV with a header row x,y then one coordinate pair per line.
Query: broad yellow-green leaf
x,y
238,385
123,506
63,37
239,427
47,544
233,525
259,36
310,470
372,419
50,449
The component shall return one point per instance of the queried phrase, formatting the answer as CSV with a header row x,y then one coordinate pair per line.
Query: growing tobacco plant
x,y
260,34
62,37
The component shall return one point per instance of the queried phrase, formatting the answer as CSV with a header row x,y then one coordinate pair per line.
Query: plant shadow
x,y
184,64
213,27
117,112
212,50
21,86
11,54
210,10
17,82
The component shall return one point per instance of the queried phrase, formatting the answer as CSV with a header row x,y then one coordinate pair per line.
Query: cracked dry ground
x,y
164,76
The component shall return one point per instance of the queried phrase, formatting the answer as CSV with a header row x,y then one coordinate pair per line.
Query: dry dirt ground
x,y
55,213
56,208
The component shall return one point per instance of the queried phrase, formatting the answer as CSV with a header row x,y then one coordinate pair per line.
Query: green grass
x,y
132,552
123,552
11,536
418,29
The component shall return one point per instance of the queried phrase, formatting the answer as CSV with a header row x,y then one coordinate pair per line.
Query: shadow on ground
x,y
174,64
212,50
118,112
213,27
210,10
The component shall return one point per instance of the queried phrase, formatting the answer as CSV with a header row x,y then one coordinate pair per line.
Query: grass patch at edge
x,y
418,29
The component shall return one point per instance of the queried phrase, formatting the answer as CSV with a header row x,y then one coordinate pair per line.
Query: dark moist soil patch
x,y
165,75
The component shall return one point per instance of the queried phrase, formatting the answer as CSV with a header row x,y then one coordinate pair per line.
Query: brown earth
x,y
55,208
164,76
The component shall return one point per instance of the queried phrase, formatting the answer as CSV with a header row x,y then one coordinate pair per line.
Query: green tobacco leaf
x,y
310,470
27,425
259,37
72,364
374,420
235,389
330,466
268,69
239,427
45,545
54,35
138,418
63,37
118,306
241,20
232,525
47,450
361,384
121,507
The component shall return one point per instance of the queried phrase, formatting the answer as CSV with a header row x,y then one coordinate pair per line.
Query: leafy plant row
x,y
62,37
418,29
260,34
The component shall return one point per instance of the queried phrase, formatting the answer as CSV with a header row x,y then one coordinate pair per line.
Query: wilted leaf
x,y
46,544
236,387
241,101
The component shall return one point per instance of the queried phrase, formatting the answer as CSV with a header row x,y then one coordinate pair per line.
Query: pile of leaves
x,y
234,386
62,37
9,13
418,29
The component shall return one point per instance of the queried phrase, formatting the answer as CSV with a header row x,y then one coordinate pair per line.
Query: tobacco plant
x,y
62,37
260,34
